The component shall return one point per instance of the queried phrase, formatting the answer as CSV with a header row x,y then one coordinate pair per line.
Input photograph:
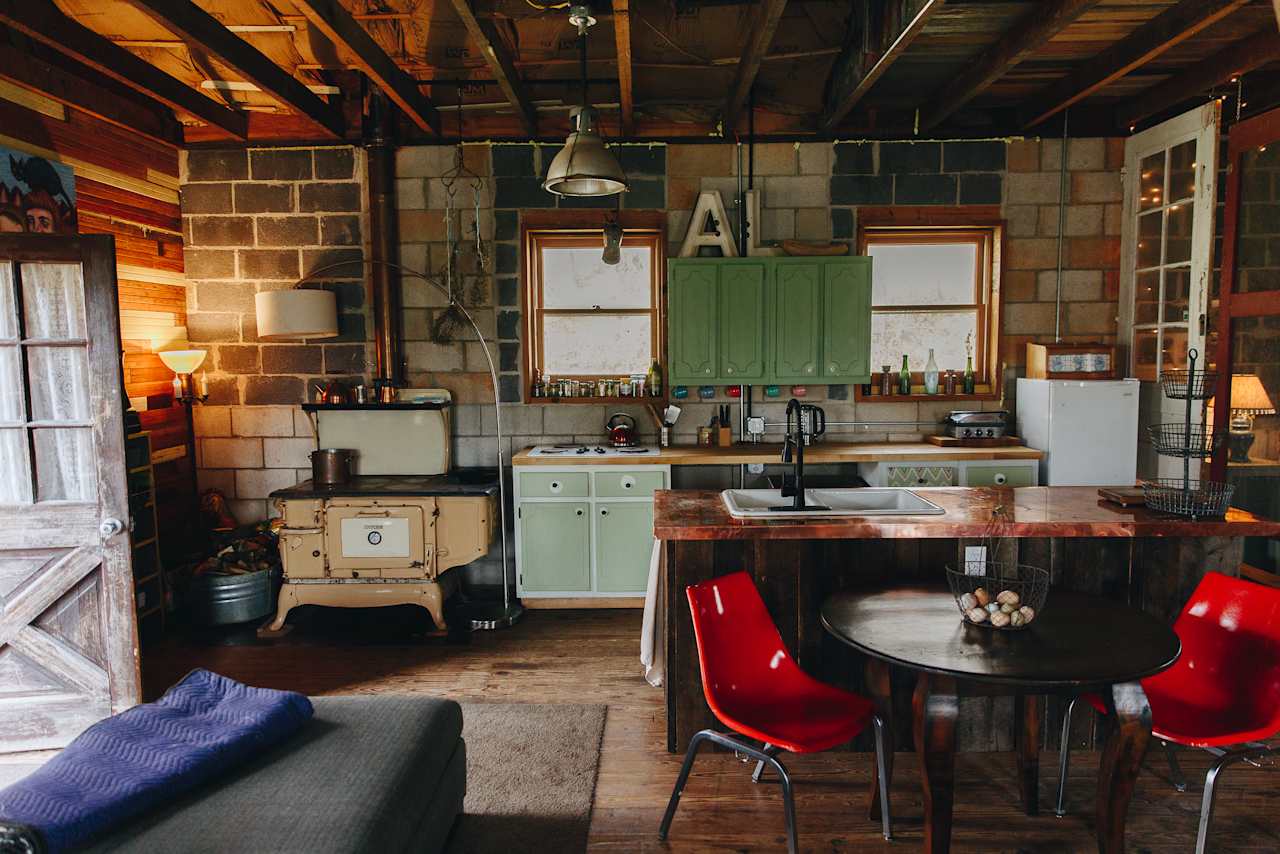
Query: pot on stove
x,y
331,466
621,428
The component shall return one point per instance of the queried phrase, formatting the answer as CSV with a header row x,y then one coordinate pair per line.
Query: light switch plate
x,y
975,560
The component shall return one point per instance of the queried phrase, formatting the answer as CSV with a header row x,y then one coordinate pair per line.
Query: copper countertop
x,y
821,452
1033,511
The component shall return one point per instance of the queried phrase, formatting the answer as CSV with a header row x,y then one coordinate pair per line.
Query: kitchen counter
x,y
399,486
818,453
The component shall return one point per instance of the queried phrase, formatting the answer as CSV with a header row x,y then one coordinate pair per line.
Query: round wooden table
x,y
1077,643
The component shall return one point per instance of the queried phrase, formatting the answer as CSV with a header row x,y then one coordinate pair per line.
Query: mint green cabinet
x,y
846,321
741,323
624,545
555,546
692,323
797,302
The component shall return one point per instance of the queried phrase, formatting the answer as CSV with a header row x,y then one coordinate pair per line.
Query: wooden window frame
x,y
981,226
585,230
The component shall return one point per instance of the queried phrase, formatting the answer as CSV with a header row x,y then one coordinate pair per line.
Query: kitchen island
x,y
1149,560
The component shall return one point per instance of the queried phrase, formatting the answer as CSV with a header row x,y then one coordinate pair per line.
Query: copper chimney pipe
x,y
382,280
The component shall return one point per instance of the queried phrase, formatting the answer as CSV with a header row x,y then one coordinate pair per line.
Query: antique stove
x,y
390,534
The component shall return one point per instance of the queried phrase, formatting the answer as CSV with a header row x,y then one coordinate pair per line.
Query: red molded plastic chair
x,y
755,688
1224,689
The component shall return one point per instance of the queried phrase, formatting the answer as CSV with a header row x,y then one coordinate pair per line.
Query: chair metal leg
x,y
882,772
685,768
1064,758
1225,758
758,774
1175,770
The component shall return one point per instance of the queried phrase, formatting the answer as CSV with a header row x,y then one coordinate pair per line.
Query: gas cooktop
x,y
591,451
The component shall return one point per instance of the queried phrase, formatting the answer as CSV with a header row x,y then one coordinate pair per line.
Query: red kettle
x,y
621,428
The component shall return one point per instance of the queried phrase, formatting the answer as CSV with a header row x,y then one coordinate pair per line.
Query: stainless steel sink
x,y
770,504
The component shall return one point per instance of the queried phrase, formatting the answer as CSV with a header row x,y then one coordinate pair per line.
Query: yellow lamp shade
x,y
182,361
1248,395
295,314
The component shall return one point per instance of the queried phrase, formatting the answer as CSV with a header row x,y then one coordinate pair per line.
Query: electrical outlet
x,y
755,468
975,560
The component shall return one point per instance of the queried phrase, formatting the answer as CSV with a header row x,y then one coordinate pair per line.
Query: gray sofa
x,y
367,774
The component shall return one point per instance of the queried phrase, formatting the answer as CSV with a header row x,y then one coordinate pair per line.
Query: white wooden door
x,y
1170,174
68,647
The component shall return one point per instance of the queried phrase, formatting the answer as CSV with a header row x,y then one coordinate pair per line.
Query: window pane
x,y
606,344
1146,297
1177,289
53,300
59,384
923,274
1181,220
576,277
1144,353
8,305
1255,385
894,333
1149,240
10,386
64,465
1173,345
1182,174
15,476
1259,261
1151,182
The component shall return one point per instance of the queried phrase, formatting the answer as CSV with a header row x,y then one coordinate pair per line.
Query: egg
x,y
992,607
976,615
1007,608
1000,619
968,601
1017,619
982,596
1008,597
1027,612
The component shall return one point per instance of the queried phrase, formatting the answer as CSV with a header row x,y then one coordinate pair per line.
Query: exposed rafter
x,y
851,79
43,22
626,83
762,30
1173,26
1233,60
1037,26
338,25
501,63
190,22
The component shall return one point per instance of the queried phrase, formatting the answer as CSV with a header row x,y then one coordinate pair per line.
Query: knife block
x,y
724,437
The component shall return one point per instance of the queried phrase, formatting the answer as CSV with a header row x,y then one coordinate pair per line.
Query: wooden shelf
x,y
602,401
921,397
374,407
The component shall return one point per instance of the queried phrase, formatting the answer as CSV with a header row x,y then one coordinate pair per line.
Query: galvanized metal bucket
x,y
219,600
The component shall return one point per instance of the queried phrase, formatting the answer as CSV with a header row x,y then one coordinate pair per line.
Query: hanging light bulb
x,y
612,240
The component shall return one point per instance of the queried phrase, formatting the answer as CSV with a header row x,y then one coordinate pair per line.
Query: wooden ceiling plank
x,y
1026,36
844,75
188,21
501,63
626,82
341,28
1173,26
761,36
1232,61
43,23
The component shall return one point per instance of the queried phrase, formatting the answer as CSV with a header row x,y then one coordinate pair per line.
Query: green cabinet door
x,y
846,320
692,322
555,546
742,323
797,307
624,546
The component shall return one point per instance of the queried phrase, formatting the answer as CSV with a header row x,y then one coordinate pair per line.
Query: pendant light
x,y
584,167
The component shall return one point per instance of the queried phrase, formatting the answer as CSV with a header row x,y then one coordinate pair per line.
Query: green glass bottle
x,y
969,382
904,377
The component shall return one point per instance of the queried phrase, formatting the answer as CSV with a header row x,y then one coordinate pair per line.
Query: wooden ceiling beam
x,y
851,79
45,24
626,81
1172,26
501,63
758,41
341,28
1230,62
188,21
1028,35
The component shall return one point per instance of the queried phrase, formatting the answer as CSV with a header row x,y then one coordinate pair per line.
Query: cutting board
x,y
954,442
1125,496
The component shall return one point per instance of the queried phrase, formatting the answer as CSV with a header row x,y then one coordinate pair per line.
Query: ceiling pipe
x,y
381,276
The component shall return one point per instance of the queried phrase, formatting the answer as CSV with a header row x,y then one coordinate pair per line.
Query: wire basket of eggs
x,y
1004,596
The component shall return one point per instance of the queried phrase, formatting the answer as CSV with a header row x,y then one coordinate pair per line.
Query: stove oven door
x,y
372,539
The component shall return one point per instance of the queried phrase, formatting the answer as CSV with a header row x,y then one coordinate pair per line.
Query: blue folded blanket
x,y
144,757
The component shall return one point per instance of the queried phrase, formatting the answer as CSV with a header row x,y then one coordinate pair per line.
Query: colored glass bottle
x,y
904,377
970,384
931,375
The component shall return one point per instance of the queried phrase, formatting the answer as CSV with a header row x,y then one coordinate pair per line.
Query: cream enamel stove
x,y
575,451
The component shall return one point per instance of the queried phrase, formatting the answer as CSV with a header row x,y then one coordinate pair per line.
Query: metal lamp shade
x,y
295,314
584,167
182,361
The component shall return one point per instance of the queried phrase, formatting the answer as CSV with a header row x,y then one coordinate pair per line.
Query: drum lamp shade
x,y
296,314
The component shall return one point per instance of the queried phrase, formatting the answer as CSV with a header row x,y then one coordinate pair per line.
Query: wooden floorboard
x,y
592,657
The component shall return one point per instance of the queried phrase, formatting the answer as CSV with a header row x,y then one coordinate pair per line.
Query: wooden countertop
x,y
1033,511
822,452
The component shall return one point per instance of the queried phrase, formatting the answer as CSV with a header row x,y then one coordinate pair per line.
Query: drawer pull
x,y
578,512
1000,479
628,482
555,486
604,512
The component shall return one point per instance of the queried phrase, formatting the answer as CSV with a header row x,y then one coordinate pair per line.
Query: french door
x,y
68,647
1166,251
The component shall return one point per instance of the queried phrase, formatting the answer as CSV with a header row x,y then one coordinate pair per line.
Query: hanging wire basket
x,y
1188,497
1179,440
1030,585
1179,385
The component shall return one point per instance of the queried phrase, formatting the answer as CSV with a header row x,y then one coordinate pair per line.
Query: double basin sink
x,y
869,501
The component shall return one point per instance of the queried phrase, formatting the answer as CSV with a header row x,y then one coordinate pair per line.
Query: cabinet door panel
x,y
742,324
624,546
796,309
692,322
846,320
555,546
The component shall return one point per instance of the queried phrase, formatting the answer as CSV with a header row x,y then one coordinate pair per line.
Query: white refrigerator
x,y
1088,430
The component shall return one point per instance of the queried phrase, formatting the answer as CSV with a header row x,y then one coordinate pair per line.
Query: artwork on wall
x,y
36,195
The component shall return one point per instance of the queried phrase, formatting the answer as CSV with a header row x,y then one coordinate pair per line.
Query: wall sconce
x,y
295,314
184,363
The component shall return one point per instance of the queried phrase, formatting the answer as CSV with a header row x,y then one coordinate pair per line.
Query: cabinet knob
x,y
1000,479
555,486
833,367
604,512
809,369
728,370
579,512
707,371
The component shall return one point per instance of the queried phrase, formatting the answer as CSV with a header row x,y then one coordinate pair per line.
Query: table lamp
x,y
183,363
1248,399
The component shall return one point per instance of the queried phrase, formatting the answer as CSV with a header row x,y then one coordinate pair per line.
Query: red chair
x,y
1223,691
755,688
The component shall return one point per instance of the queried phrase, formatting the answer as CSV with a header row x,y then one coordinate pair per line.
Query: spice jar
x,y
886,381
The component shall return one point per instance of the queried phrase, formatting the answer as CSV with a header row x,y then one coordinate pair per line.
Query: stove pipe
x,y
383,281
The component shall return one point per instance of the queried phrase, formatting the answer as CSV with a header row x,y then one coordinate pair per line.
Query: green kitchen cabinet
x,y
624,545
693,323
797,307
555,546
741,323
846,321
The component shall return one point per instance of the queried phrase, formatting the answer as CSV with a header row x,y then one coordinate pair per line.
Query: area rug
x,y
531,777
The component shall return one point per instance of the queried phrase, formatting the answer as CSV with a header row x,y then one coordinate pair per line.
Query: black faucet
x,y
793,450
